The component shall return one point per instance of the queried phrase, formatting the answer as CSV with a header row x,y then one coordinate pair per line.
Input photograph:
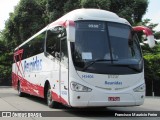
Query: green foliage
x,y
157,35
71,5
152,73
54,9
140,7
152,60
132,10
32,15
152,66
101,4
5,64
5,75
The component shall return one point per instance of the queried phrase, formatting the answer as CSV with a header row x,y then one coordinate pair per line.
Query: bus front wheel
x,y
51,103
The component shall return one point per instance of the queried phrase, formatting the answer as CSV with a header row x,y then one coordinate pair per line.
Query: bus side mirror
x,y
151,41
149,35
70,28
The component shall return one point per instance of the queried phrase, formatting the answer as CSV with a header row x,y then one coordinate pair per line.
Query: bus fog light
x,y
78,97
140,88
79,88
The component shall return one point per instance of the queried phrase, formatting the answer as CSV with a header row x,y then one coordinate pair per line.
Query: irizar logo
x,y
113,83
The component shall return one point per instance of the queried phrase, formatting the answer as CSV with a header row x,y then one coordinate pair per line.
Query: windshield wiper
x,y
96,60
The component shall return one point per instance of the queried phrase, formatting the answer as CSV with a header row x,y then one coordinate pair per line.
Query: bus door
x,y
57,47
53,63
64,71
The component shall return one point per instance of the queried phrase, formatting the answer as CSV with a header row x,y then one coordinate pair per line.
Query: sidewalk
x,y
5,86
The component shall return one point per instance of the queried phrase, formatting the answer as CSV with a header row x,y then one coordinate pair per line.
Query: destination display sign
x,y
91,25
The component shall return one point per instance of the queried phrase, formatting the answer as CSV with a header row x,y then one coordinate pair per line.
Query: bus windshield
x,y
106,48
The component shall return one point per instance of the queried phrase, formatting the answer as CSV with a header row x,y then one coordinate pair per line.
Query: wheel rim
x,y
49,97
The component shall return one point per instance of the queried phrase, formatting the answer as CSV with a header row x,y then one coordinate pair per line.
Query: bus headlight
x,y
79,88
140,88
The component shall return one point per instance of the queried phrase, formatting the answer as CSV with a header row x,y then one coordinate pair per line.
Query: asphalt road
x,y
10,101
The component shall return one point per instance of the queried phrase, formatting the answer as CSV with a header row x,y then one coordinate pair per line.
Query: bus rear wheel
x,y
51,103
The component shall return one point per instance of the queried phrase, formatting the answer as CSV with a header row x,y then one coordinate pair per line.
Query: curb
x,y
5,86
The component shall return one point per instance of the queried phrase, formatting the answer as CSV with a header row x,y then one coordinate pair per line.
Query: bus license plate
x,y
113,98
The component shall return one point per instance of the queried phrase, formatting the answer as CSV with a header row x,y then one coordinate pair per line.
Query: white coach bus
x,y
87,58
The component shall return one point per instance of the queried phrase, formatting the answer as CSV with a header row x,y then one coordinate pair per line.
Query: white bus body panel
x,y
101,91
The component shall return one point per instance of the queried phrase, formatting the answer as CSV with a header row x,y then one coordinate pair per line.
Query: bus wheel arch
x,y
48,96
46,85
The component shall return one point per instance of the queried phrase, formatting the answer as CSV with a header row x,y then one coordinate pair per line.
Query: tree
x,y
140,7
54,9
157,35
24,22
5,63
71,5
131,10
32,15
100,4
151,61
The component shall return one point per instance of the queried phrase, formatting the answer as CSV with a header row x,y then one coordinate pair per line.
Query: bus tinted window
x,y
54,36
34,47
37,45
53,43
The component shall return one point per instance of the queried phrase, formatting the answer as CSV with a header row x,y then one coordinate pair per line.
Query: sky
x,y
7,6
153,12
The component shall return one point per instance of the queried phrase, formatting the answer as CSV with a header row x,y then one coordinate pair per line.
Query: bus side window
x,y
53,43
36,45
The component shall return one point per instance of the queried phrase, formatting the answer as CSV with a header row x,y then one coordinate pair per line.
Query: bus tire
x,y
20,93
50,102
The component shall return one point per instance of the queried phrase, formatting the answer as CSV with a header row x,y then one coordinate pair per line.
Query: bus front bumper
x,y
80,99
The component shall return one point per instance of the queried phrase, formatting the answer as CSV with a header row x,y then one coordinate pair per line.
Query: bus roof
x,y
83,14
92,14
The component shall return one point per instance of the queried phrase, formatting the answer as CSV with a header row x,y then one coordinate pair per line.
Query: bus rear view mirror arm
x,y
148,33
70,27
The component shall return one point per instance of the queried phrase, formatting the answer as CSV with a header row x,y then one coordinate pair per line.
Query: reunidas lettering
x,y
35,65
113,83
